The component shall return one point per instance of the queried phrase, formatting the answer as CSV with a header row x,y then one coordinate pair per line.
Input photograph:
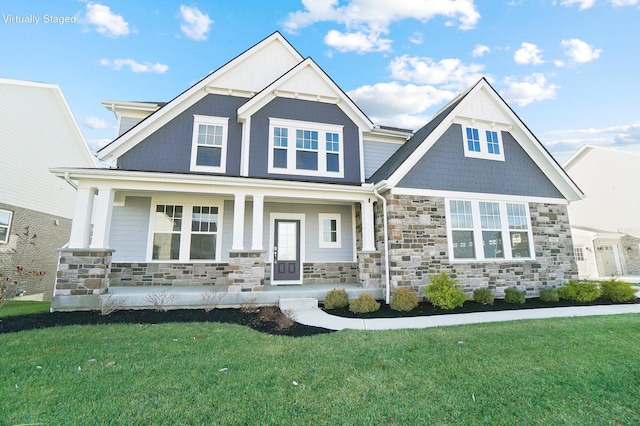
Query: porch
x,y
201,296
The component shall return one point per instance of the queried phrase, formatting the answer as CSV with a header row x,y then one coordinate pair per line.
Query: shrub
x,y
483,295
549,294
403,299
514,296
336,299
363,304
617,291
444,292
579,291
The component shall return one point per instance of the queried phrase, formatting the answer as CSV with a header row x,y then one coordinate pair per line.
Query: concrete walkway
x,y
307,312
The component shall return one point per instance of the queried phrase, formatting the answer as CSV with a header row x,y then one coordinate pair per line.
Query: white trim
x,y
102,218
8,234
245,147
209,121
329,244
476,196
483,143
354,237
239,205
272,223
292,126
257,225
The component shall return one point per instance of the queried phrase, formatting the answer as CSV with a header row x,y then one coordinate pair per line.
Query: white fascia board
x,y
476,196
185,183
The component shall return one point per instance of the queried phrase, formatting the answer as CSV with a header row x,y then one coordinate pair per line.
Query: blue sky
x,y
569,68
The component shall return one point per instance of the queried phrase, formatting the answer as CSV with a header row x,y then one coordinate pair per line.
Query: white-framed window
x,y
305,148
488,230
209,143
482,143
330,230
579,254
5,225
184,232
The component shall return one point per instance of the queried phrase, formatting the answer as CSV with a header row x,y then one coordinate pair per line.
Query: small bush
x,y
514,296
483,295
579,291
444,292
617,291
403,299
336,299
549,294
363,304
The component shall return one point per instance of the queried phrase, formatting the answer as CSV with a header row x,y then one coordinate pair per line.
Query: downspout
x,y
386,245
69,181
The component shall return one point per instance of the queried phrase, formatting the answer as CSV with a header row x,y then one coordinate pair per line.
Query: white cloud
x,y
399,105
579,51
416,38
106,22
480,50
582,4
368,19
96,144
448,73
620,3
358,42
528,53
96,123
533,88
195,24
118,64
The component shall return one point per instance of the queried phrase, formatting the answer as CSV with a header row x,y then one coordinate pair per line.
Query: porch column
x,y
258,210
238,222
368,231
102,225
81,225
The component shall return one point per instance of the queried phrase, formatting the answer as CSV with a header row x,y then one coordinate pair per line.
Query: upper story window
x,y
483,143
318,149
209,144
500,230
5,225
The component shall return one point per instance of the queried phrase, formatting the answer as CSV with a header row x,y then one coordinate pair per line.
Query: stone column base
x,y
370,269
83,272
246,270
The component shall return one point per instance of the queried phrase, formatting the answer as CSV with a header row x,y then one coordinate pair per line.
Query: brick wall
x,y
39,253
418,248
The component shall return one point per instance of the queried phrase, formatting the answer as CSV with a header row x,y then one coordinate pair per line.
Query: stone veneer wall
x,y
324,273
418,248
631,250
82,272
168,274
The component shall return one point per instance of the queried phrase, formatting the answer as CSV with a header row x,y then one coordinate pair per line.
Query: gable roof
x,y
478,103
273,56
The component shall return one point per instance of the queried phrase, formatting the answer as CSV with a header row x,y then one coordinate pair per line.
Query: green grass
x,y
570,371
13,307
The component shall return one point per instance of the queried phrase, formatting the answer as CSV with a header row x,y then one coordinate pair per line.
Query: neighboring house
x,y
265,174
606,224
37,132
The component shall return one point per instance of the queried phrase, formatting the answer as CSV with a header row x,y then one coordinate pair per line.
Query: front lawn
x,y
574,371
14,307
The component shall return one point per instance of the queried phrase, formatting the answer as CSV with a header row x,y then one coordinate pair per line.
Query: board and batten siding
x,y
130,230
311,212
376,153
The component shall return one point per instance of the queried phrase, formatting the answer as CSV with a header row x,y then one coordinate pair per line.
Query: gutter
x,y
386,243
69,181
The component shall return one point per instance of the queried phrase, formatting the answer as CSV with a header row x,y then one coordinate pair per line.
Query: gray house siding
x,y
316,112
375,155
169,148
445,167
130,229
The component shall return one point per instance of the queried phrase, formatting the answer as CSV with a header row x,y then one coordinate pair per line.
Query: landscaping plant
x,y
336,299
617,291
403,299
580,291
444,292
514,296
483,295
548,294
363,304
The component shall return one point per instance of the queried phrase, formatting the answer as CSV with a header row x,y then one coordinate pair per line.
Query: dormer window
x,y
483,143
305,148
209,144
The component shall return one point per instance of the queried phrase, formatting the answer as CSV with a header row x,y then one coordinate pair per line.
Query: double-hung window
x,y
488,230
482,143
209,144
305,148
185,232
330,230
5,225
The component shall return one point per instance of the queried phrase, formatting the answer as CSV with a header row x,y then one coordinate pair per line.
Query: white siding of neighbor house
x,y
38,132
376,153
130,229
